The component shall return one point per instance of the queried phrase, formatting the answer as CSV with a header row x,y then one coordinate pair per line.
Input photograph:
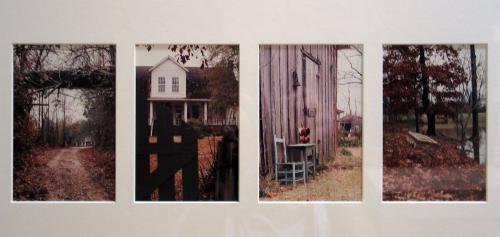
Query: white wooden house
x,y
84,141
168,80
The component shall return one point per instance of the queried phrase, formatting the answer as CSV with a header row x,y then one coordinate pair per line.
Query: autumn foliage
x,y
430,172
404,81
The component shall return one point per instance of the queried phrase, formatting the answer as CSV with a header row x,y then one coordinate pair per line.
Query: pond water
x,y
482,147
449,130
469,148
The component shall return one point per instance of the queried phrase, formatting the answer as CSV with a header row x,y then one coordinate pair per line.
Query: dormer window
x,y
161,84
175,84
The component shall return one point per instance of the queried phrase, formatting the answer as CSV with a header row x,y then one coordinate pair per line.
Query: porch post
x,y
185,111
151,119
205,113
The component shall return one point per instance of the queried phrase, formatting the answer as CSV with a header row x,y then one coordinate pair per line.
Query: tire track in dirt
x,y
68,180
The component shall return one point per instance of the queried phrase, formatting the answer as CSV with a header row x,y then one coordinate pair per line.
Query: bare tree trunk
x,y
431,117
417,122
64,122
46,123
475,120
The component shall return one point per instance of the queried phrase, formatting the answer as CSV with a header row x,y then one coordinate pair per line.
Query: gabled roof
x,y
143,74
166,59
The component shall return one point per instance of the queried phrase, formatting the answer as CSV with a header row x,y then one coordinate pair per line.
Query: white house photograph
x,y
187,109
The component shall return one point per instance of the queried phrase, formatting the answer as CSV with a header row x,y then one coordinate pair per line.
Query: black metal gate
x,y
175,148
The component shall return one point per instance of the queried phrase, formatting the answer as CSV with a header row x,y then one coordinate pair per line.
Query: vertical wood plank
x,y
328,97
299,105
326,119
332,110
291,67
265,90
284,91
314,98
329,107
262,113
321,89
275,91
335,131
321,100
333,104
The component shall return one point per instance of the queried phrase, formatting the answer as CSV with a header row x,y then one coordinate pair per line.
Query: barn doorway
x,y
310,93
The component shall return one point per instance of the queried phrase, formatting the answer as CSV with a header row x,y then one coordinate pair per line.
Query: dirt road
x,y
67,179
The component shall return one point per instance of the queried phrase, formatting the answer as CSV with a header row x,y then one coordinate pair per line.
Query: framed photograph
x,y
187,109
249,118
311,120
435,122
64,122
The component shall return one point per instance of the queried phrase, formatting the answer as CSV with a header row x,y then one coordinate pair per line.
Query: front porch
x,y
182,110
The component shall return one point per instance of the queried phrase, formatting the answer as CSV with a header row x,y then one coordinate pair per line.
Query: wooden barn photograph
x,y
310,122
64,122
187,114
434,122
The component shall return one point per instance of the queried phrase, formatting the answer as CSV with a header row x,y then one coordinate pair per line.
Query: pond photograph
x,y
435,122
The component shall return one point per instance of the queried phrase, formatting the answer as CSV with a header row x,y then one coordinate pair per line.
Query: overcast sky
x,y
346,86
74,106
74,101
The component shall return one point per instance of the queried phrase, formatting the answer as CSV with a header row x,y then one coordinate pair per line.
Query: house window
x,y
175,84
161,84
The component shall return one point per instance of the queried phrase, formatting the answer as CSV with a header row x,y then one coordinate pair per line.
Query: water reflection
x,y
482,147
450,131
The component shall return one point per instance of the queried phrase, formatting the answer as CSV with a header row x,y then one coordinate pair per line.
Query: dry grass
x,y
207,148
340,181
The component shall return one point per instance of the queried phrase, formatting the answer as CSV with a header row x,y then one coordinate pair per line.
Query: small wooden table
x,y
303,147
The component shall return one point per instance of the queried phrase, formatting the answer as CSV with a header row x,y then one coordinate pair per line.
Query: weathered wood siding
x,y
282,106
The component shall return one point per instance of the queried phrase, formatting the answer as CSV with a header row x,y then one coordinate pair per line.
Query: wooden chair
x,y
285,168
311,159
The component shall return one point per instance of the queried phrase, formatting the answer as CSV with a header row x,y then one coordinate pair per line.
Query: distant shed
x,y
351,124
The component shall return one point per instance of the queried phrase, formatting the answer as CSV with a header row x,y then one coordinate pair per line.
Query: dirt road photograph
x,y
64,123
